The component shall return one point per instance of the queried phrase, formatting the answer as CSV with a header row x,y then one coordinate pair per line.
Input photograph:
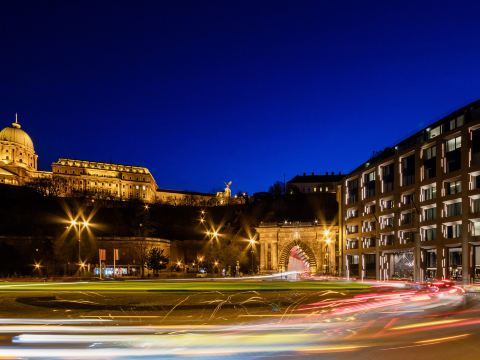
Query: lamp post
x,y
77,225
326,261
252,250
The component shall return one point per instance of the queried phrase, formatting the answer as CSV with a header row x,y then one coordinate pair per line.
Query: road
x,y
380,322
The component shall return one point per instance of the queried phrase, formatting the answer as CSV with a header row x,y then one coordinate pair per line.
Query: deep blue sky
x,y
205,91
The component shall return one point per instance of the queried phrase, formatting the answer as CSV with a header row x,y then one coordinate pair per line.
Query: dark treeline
x,y
26,213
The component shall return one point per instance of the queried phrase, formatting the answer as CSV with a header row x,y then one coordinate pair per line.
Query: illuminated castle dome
x,y
16,147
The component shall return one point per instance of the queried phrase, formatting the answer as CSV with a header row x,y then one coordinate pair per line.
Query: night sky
x,y
202,92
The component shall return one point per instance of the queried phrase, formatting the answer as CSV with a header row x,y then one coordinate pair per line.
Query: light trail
x,y
332,325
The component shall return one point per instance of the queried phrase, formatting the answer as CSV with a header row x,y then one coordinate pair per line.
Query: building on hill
x,y
308,184
413,210
18,160
69,177
110,180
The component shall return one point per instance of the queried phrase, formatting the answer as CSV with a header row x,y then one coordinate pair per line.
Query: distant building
x,y
308,184
18,166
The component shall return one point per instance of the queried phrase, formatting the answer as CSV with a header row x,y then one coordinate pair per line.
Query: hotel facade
x,y
413,210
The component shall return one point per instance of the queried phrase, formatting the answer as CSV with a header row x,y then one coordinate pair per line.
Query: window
x,y
453,187
476,182
387,222
368,226
406,218
429,234
369,242
352,213
476,147
388,239
408,170
453,231
454,144
352,191
387,177
429,193
352,229
388,204
407,199
370,176
408,237
352,244
475,206
430,214
369,180
430,153
476,228
434,132
430,162
370,209
455,123
454,209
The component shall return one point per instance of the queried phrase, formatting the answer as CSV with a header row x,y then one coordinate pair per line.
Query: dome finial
x,y
16,124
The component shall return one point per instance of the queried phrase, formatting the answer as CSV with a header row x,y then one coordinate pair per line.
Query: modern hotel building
x,y
413,210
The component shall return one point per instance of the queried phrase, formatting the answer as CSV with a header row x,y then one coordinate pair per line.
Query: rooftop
x,y
470,112
316,178
101,166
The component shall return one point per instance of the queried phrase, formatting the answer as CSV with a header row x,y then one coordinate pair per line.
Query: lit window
x,y
435,132
454,144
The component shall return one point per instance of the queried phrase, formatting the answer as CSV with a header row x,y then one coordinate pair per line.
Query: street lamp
x,y
77,225
37,267
252,243
326,261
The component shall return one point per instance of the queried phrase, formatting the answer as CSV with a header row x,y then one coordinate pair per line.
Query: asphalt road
x,y
390,323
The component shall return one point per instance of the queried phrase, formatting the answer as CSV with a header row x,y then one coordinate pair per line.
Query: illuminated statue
x,y
225,195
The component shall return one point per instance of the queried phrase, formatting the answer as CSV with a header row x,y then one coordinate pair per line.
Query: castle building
x,y
69,177
105,180
18,160
413,210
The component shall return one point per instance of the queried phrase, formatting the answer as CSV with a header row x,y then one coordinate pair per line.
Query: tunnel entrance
x,y
297,256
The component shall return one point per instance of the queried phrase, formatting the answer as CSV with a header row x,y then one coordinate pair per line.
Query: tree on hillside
x,y
277,190
156,261
53,186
